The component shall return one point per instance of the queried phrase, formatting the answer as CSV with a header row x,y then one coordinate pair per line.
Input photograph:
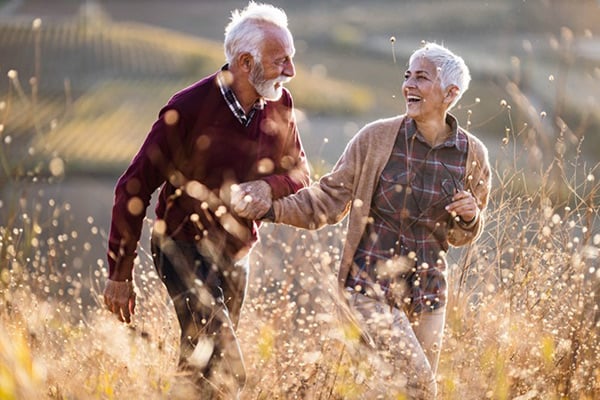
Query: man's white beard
x,y
267,89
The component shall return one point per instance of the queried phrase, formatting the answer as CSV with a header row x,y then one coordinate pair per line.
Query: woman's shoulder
x,y
476,145
380,129
384,124
478,162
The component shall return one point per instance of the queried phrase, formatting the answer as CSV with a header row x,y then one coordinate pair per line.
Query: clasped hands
x,y
252,199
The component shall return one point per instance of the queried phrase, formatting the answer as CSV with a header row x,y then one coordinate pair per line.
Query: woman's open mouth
x,y
412,99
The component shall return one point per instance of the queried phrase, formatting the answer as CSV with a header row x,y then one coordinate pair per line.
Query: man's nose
x,y
289,69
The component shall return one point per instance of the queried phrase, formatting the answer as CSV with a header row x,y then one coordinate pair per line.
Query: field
x,y
524,319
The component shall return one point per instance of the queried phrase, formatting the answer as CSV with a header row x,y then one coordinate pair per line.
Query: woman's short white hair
x,y
244,33
452,69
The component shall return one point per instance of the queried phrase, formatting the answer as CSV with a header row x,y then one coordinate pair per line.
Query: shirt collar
x,y
451,140
232,101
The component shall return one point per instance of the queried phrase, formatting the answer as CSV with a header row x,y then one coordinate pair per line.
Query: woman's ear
x,y
451,93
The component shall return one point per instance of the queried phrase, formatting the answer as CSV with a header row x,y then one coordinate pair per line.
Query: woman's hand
x,y
464,206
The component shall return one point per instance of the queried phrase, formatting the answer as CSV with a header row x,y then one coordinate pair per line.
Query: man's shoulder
x,y
194,92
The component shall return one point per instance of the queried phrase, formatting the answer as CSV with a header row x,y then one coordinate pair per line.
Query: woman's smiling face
x,y
422,90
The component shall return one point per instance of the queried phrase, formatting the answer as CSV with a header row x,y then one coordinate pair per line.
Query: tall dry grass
x,y
523,319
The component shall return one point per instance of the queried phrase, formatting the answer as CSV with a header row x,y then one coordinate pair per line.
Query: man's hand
x,y
119,297
251,199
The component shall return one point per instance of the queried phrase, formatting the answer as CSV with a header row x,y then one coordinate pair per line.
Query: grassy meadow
x,y
523,315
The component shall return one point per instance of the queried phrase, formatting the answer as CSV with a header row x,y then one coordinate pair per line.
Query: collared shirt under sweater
x,y
195,151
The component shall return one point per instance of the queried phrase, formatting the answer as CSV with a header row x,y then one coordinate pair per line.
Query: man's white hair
x,y
244,33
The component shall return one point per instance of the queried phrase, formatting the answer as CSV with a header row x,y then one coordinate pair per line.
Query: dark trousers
x,y
207,291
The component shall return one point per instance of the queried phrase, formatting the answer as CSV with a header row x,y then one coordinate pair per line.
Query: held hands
x,y
251,199
464,206
119,297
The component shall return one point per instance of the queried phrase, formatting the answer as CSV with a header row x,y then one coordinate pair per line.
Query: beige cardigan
x,y
350,185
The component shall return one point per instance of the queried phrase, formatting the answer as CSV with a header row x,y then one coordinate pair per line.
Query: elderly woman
x,y
412,185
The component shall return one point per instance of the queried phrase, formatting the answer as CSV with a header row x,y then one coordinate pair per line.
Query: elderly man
x,y
234,126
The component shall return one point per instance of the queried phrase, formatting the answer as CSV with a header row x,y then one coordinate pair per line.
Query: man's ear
x,y
246,61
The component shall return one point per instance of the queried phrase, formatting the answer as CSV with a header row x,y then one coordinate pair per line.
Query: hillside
x,y
540,57
102,82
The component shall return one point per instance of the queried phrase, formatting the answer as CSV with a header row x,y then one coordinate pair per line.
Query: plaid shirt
x,y
233,103
409,224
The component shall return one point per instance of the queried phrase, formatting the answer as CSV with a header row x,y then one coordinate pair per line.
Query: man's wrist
x,y
121,274
121,281
269,216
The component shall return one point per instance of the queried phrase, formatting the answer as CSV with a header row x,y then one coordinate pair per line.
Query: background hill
x,y
102,82
133,55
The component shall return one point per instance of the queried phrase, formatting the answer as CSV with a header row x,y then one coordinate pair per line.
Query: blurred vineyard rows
x,y
103,77
101,84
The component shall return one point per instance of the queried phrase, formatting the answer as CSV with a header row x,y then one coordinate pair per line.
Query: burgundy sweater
x,y
196,150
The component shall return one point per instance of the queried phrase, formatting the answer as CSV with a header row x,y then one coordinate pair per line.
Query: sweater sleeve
x,y
349,185
134,190
478,182
325,202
